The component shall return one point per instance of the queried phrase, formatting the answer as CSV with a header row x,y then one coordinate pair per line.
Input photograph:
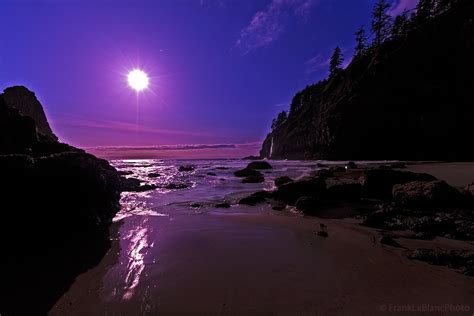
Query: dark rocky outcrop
x,y
186,168
282,180
404,100
456,259
379,182
253,179
259,165
292,191
423,194
246,172
308,205
222,205
57,205
255,198
25,102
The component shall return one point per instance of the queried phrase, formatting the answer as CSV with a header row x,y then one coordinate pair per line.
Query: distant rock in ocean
x,y
408,99
57,205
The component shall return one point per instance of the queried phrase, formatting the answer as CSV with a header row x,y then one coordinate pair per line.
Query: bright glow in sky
x,y
218,71
138,80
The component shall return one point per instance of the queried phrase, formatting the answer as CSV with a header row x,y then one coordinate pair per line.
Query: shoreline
x,y
255,261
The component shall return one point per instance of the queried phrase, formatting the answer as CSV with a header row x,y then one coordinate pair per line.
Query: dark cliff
x,y
409,99
57,203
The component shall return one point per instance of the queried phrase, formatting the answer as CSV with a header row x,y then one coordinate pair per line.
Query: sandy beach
x,y
255,261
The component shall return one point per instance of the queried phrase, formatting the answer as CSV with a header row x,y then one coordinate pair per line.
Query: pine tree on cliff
x,y
400,24
361,42
442,5
336,62
381,21
424,9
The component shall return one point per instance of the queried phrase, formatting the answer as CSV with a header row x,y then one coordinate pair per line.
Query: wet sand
x,y
254,261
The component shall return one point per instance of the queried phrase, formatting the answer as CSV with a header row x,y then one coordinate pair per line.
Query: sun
x,y
138,80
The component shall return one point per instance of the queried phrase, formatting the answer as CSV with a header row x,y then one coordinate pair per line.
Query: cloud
x,y
401,5
268,24
118,126
316,63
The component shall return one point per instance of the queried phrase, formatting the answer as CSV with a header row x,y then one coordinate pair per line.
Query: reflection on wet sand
x,y
136,251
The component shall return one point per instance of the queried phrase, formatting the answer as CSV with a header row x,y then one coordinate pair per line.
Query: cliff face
x,y
25,102
57,203
411,99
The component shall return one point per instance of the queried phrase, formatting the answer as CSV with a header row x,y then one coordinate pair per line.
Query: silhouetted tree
x,y
336,62
361,41
442,5
380,21
400,24
424,9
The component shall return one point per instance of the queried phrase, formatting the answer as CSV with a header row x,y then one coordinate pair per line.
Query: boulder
x,y
255,198
246,172
343,189
432,194
124,172
154,175
130,184
253,179
378,183
308,205
290,192
222,205
186,168
282,180
259,165
277,205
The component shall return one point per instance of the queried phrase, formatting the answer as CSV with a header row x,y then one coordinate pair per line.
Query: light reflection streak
x,y
136,259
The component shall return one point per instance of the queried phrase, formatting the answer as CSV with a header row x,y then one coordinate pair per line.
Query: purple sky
x,y
220,69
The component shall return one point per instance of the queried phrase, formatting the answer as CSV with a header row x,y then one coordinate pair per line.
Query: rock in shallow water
x,y
260,165
246,172
255,198
253,179
282,180
186,168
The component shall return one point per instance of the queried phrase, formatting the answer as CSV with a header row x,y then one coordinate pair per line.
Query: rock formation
x,y
57,205
409,99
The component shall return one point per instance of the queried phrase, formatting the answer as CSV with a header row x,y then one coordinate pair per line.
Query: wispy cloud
x,y
401,5
118,126
267,25
321,61
316,63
